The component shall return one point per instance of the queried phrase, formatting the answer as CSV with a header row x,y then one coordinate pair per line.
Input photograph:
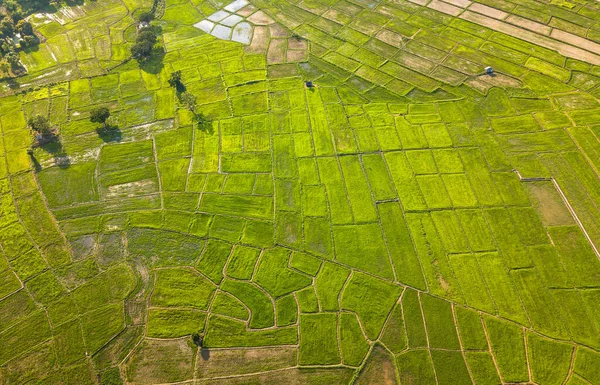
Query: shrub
x,y
197,339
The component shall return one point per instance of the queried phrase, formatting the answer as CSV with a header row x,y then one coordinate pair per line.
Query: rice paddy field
x,y
408,219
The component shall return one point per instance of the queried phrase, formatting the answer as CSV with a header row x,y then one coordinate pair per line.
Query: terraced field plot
x,y
407,220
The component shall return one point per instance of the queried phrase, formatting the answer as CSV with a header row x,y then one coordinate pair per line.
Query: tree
x,y
144,43
12,58
24,28
175,79
40,125
100,115
146,35
7,45
28,41
142,50
7,27
145,17
198,339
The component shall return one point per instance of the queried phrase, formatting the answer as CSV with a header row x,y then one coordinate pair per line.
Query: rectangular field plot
x,y
460,191
174,323
318,339
67,186
246,206
246,162
354,242
434,191
450,231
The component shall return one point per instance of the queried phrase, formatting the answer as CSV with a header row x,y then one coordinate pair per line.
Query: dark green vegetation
x,y
206,217
16,34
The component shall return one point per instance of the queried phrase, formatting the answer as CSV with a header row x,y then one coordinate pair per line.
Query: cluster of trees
x,y
15,33
145,17
144,44
28,6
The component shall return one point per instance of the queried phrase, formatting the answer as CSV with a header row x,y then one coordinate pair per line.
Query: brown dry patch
x,y
389,37
276,53
575,40
333,376
485,83
231,362
415,62
131,189
459,3
337,16
260,18
282,71
488,11
479,84
297,56
136,310
247,10
160,361
445,8
548,203
501,80
379,369
448,75
297,44
277,30
260,41
529,24
532,37
444,284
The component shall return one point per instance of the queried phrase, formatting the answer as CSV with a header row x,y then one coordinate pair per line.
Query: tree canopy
x,y
100,115
144,43
15,32
145,17
40,124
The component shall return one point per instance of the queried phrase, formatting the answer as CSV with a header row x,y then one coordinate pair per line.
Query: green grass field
x,y
407,220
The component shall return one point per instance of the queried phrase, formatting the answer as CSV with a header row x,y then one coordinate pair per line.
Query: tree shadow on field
x,y
205,354
110,133
12,83
32,48
180,88
203,123
37,167
54,147
154,64
62,160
